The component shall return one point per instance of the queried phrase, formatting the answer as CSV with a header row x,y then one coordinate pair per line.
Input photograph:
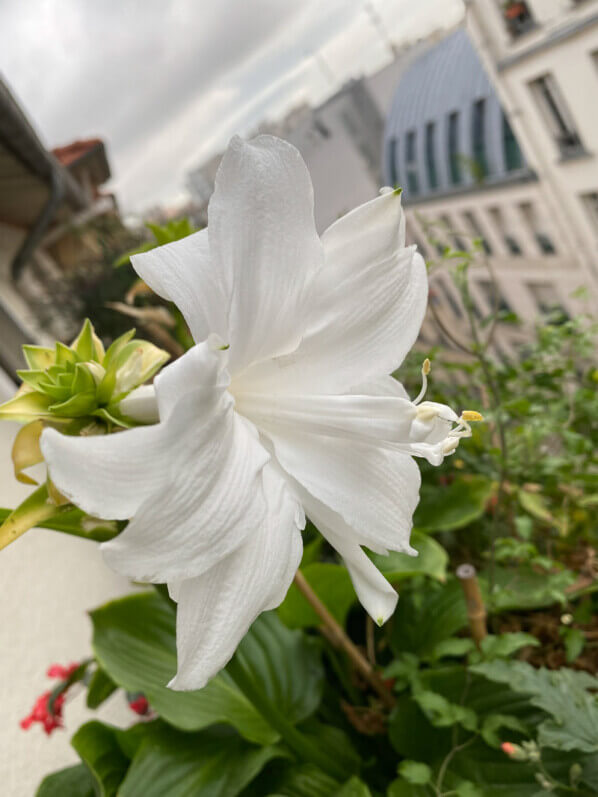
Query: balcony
x,y
518,18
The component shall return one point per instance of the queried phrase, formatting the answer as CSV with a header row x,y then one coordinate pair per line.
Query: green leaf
x,y
525,588
503,646
75,781
432,560
415,772
98,747
535,505
454,647
36,509
402,788
353,788
181,765
134,641
100,687
440,611
292,780
331,583
575,642
453,507
495,722
563,694
74,521
443,714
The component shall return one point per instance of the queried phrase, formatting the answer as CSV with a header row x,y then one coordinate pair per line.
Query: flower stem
x,y
335,633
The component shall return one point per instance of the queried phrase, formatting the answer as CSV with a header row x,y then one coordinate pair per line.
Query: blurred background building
x,y
491,134
48,201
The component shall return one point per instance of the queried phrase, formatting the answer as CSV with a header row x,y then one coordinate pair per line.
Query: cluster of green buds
x,y
78,388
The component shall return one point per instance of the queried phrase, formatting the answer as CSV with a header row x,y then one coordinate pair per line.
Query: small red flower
x,y
58,671
508,748
50,719
139,705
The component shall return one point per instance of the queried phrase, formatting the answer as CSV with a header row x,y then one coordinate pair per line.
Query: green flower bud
x,y
82,381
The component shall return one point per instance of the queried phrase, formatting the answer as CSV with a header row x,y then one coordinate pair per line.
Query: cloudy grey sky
x,y
167,83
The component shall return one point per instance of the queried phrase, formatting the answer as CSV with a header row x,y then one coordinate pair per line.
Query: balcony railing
x,y
518,17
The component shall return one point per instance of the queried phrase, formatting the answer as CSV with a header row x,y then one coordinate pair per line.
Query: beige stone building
x,y
493,136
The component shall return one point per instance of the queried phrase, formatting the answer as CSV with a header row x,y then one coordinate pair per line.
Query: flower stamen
x,y
426,368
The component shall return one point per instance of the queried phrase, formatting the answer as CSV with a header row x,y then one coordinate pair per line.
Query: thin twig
x,y
335,634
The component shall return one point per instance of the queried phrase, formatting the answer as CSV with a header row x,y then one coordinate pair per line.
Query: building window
x,y
537,229
513,157
478,137
431,155
453,234
547,299
393,171
494,298
453,148
511,242
474,226
410,157
518,17
590,202
556,115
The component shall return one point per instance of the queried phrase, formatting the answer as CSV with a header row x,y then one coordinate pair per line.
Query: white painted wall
x,y
48,582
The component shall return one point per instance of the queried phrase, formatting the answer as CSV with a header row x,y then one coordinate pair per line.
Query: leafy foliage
x,y
509,713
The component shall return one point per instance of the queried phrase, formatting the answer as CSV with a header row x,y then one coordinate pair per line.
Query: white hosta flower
x,y
284,406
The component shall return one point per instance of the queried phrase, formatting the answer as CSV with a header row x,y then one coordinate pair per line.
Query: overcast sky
x,y
166,83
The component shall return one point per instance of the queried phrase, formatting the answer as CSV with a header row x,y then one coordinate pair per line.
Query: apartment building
x,y
455,145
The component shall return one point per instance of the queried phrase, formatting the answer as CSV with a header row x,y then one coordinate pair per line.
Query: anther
x,y
426,368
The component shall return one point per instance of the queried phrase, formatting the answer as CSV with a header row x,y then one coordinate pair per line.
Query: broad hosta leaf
x,y
563,694
181,765
331,583
98,747
452,507
432,560
283,779
134,641
70,782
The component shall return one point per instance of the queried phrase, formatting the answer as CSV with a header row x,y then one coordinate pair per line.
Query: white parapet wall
x,y
48,581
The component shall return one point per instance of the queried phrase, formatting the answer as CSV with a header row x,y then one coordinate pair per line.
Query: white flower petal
x,y
379,419
263,239
209,500
368,304
108,476
375,594
141,405
374,489
202,367
216,610
184,273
